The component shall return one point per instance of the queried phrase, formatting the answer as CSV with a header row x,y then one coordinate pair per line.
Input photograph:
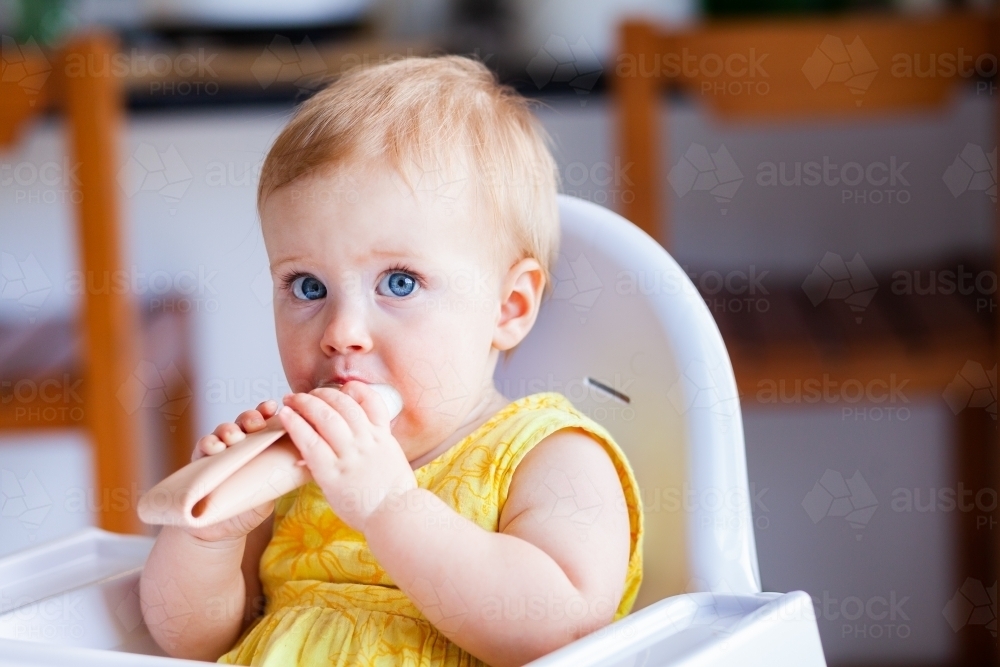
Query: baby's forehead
x,y
382,205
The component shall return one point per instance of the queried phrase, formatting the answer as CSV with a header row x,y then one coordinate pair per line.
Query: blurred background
x,y
835,206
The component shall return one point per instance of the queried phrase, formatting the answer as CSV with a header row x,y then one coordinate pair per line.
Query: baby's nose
x,y
346,330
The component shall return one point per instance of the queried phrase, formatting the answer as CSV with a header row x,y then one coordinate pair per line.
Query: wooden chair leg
x,y
636,90
110,326
979,521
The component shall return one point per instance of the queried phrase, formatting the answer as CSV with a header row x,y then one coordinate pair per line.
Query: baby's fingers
x,y
229,433
319,457
207,446
250,421
268,408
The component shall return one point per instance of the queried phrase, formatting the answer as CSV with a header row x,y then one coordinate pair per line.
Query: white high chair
x,y
627,338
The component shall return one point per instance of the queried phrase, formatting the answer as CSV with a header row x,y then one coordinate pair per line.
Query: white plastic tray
x,y
75,601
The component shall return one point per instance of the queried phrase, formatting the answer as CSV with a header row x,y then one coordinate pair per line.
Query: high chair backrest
x,y
628,339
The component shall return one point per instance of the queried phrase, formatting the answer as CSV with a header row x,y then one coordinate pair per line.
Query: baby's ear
x,y
520,301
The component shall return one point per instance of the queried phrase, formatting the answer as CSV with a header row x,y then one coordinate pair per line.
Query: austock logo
x,y
25,282
149,387
559,62
23,499
703,387
282,62
574,497
151,170
972,171
24,65
441,388
833,496
715,173
577,283
835,62
731,74
835,279
973,604
442,604
973,387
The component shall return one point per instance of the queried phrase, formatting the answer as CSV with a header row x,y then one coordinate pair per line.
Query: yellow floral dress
x,y
328,600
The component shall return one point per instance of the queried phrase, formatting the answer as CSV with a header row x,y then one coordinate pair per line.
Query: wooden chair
x,y
822,69
789,70
109,334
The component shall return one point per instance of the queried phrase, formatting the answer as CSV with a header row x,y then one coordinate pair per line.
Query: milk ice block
x,y
259,468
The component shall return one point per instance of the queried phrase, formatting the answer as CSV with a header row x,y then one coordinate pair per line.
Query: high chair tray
x,y
75,601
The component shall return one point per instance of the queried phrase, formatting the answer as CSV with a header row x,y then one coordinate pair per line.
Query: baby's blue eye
x,y
308,288
400,284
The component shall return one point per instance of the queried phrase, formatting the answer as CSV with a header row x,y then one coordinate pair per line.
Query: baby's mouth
x,y
392,398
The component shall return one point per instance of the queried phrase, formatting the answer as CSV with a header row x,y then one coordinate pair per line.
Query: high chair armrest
x,y
704,630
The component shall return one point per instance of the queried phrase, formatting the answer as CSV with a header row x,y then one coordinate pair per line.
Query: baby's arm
x,y
547,578
200,588
193,594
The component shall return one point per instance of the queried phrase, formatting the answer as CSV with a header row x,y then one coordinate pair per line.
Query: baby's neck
x,y
492,403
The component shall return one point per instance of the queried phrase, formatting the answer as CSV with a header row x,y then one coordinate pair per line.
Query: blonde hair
x,y
440,117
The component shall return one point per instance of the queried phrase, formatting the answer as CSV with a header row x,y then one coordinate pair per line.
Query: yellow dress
x,y
328,600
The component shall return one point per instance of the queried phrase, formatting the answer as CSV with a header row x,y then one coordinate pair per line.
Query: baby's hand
x,y
344,438
226,434
229,433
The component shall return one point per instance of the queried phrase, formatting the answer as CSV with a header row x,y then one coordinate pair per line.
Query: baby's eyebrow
x,y
287,260
377,253
397,253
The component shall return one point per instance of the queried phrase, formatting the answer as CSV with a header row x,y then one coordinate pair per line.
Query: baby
x,y
410,219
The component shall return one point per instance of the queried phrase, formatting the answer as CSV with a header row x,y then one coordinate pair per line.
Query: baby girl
x,y
410,219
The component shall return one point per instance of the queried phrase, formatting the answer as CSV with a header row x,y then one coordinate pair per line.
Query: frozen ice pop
x,y
259,468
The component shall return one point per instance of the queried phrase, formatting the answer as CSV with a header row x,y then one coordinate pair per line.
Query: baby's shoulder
x,y
570,463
